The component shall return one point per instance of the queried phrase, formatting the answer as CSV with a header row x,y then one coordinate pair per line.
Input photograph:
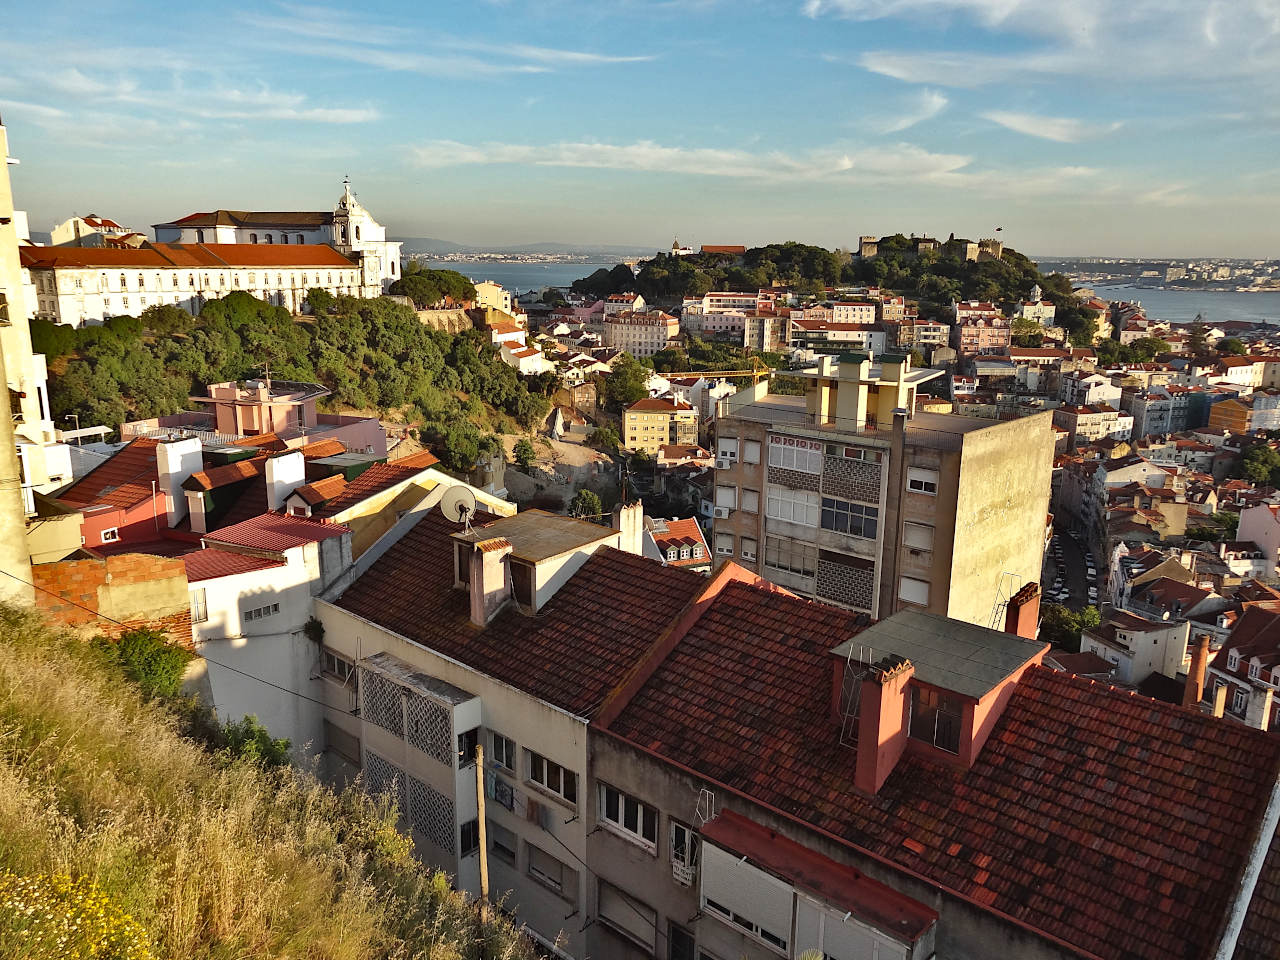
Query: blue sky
x,y
1120,127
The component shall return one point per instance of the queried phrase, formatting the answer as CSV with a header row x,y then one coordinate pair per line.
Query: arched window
x,y
344,234
142,282
199,236
236,280
357,231
268,238
393,268
279,280
253,238
175,281
124,282
102,278
191,280
328,278
253,277
300,238
284,238
222,279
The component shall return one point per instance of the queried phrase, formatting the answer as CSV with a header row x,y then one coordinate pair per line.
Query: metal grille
x,y
382,776
430,729
382,704
431,813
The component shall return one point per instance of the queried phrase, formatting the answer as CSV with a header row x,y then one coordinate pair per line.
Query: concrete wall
x,y
1001,508
133,588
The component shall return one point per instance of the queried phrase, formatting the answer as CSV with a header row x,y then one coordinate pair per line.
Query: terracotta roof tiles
x,y
276,532
210,563
122,481
379,477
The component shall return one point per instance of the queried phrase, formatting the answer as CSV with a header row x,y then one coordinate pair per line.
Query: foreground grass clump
x,y
128,840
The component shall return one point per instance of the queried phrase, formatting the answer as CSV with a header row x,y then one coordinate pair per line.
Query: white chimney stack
x,y
285,474
1258,713
628,519
176,461
489,585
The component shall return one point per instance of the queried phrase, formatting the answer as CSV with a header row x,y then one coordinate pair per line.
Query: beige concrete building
x,y
653,423
493,295
639,334
848,495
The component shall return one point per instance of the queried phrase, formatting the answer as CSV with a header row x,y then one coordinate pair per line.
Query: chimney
x,y
882,722
176,461
628,519
285,474
1220,699
489,583
1258,712
1193,692
1022,615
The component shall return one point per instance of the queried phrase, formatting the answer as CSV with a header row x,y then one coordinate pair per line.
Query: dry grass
x,y
215,858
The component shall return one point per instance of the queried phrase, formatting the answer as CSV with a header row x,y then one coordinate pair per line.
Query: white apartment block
x,y
639,334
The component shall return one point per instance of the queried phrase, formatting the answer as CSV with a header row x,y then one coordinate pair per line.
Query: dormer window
x,y
684,553
671,553
1255,672
697,551
1233,660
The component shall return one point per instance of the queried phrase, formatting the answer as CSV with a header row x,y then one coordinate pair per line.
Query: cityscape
x,y
739,541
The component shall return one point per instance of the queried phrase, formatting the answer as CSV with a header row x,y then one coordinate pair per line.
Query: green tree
x,y
1145,349
625,384
586,503
1260,465
604,438
1026,332
320,301
1061,627
524,453
1232,346
248,738
1198,338
149,660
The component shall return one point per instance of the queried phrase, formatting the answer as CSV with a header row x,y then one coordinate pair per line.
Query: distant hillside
x,y
121,838
429,245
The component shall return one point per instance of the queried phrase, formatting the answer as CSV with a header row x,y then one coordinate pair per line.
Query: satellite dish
x,y
458,504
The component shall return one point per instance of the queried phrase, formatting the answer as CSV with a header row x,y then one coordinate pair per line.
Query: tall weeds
x,y
213,857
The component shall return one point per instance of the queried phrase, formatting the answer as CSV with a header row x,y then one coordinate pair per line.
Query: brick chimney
x,y
1194,689
882,722
1022,615
488,583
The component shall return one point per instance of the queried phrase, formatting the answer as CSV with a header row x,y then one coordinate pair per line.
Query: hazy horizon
x,y
1117,128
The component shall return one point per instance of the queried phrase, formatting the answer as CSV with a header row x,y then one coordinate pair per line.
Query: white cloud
x,y
927,105
1058,129
37,111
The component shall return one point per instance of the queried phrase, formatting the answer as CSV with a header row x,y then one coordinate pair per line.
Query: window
x,y
1255,672
865,454
253,238
854,519
110,535
726,496
748,548
684,845
1233,660
337,667
522,582
141,282
918,536
914,591
681,943
199,236
199,606
468,740
796,506
791,453
724,544
267,238
357,231
552,777
697,551
253,279
300,238
791,555
257,613
935,718
191,280
751,500
920,480
503,843
550,872
1238,700
470,836
124,282
727,448
673,553
502,751
625,814
751,451
124,301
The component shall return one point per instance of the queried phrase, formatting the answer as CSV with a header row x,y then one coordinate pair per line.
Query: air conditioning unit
x,y
723,463
721,513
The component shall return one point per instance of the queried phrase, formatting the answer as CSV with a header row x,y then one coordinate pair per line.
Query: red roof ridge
x,y
617,699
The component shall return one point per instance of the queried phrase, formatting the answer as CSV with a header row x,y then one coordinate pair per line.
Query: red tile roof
x,y
321,490
1261,931
681,533
570,655
1115,823
658,405
379,477
170,255
228,473
122,481
323,448
276,531
210,563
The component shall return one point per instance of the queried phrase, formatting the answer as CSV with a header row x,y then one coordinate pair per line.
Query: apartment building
x,y
638,333
1088,424
849,495
816,335
654,422
623,303
1259,410
981,335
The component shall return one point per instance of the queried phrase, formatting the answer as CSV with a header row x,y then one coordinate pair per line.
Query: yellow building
x,y
652,423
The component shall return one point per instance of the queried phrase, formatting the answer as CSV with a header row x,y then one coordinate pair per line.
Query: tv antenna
x,y
459,505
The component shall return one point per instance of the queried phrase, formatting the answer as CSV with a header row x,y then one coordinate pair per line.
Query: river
x,y
521,276
1181,306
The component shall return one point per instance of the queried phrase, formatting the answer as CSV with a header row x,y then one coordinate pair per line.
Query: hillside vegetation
x,y
122,838
369,353
935,279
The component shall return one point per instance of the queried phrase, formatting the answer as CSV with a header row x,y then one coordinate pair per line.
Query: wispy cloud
x,y
1058,129
927,105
